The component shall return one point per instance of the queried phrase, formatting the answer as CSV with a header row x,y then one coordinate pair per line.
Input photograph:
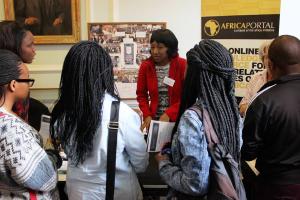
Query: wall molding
x,y
46,76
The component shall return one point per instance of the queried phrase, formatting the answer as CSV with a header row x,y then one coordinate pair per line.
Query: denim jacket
x,y
189,171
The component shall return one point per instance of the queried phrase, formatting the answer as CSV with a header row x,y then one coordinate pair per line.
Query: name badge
x,y
168,81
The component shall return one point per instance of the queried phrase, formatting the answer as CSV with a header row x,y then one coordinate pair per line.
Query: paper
x,y
140,34
45,130
168,81
159,134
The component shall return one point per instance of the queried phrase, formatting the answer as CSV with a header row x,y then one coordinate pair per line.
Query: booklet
x,y
45,131
159,134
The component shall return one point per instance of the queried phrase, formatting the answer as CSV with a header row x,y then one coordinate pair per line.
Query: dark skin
x,y
160,57
284,56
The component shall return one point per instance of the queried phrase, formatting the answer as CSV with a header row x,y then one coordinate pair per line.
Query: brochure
x,y
159,134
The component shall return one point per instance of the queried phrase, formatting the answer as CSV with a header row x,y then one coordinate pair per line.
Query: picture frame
x,y
46,30
128,44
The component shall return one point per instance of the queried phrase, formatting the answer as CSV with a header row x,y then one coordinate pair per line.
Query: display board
x,y
128,45
241,26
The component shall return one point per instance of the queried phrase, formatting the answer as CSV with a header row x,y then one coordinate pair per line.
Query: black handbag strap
x,y
113,127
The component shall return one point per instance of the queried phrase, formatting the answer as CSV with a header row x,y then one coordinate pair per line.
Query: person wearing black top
x,y
272,125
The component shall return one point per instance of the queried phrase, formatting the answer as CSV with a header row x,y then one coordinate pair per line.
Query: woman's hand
x,y
146,123
159,157
164,117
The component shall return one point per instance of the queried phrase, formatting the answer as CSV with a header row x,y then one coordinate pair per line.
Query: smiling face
x,y
27,51
159,53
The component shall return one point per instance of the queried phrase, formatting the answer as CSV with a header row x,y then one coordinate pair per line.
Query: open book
x,y
159,134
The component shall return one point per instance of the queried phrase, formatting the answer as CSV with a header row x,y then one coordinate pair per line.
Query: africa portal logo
x,y
211,27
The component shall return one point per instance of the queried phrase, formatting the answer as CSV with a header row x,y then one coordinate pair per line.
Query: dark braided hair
x,y
209,83
11,36
86,75
9,70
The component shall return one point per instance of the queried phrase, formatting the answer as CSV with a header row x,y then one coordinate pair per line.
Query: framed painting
x,y
128,44
50,21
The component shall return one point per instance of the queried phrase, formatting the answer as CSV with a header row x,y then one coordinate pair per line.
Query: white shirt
x,y
87,181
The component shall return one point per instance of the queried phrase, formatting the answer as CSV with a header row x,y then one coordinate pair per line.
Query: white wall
x,y
99,11
289,18
182,17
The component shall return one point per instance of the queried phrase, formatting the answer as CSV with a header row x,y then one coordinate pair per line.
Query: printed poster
x,y
241,26
128,44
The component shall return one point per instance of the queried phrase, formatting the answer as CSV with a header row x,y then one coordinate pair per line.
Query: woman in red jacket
x,y
160,79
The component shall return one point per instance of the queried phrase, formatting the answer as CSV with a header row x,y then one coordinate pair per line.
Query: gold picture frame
x,y
69,35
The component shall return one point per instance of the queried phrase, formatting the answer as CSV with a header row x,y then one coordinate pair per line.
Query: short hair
x,y
9,69
284,51
166,37
11,36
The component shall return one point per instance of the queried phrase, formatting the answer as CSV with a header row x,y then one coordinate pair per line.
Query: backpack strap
x,y
113,128
209,130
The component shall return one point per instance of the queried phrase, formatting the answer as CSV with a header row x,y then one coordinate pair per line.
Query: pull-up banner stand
x,y
241,26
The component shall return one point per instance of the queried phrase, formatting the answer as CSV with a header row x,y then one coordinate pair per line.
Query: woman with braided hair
x,y
209,84
80,121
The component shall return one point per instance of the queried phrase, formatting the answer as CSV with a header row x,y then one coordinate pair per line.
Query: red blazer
x,y
147,83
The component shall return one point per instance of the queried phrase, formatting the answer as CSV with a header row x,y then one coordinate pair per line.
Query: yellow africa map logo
x,y
211,27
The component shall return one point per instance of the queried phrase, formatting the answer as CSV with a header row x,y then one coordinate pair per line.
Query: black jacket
x,y
272,131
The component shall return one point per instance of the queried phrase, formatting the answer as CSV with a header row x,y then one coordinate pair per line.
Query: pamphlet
x,y
45,131
159,134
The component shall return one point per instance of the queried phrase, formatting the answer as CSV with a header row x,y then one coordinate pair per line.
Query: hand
x,y
56,158
166,145
32,21
164,117
159,157
146,123
243,109
57,21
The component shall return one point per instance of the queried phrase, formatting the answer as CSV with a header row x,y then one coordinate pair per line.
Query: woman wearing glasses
x,y
27,170
20,41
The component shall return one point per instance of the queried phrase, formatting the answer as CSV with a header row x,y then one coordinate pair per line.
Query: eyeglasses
x,y
26,80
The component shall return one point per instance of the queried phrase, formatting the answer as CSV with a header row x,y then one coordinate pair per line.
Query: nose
x,y
154,50
34,49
